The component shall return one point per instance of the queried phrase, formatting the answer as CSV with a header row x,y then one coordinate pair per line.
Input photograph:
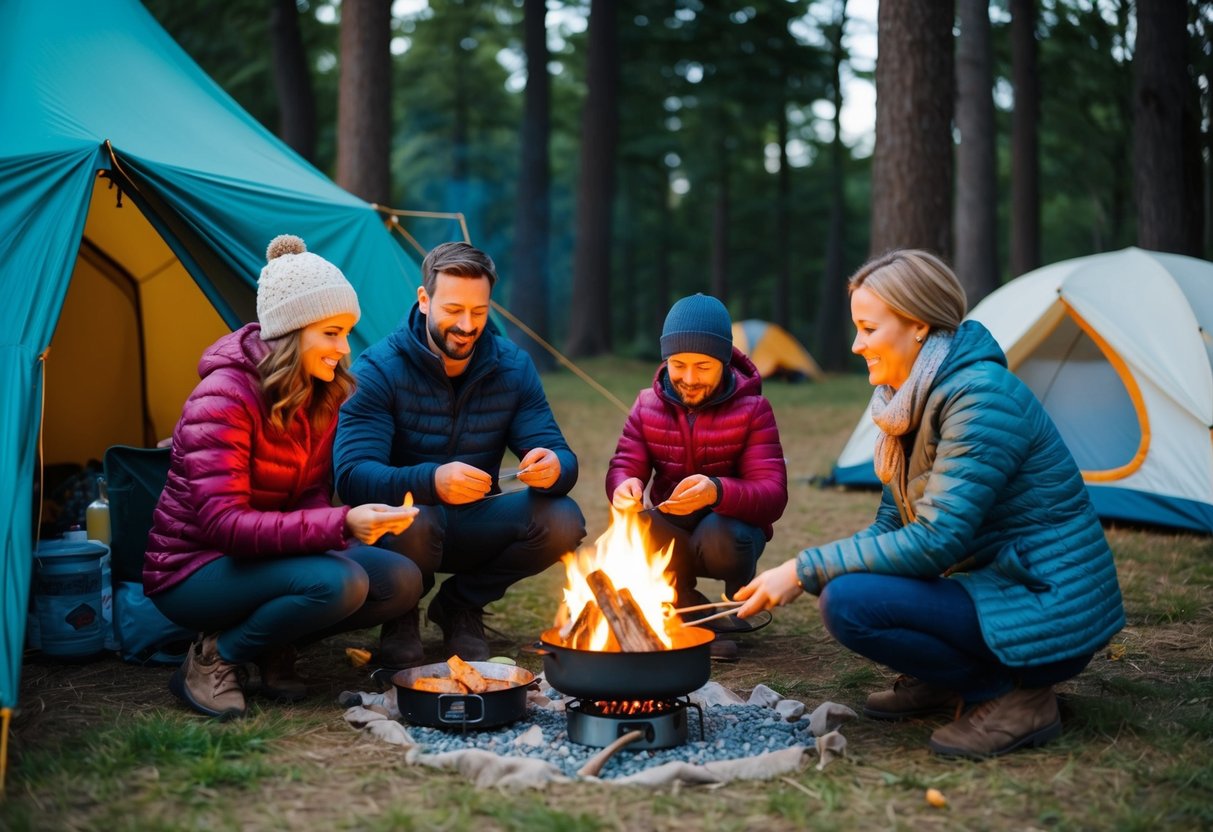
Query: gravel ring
x,y
730,732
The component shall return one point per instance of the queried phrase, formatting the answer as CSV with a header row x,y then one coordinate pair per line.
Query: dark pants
x,y
489,545
258,604
928,628
709,545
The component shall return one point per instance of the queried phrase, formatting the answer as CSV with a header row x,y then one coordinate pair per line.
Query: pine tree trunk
x,y
976,254
832,302
912,162
720,230
782,300
529,294
1158,126
662,285
589,320
292,80
363,100
1025,143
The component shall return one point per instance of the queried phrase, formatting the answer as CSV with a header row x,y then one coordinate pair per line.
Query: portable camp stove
x,y
598,723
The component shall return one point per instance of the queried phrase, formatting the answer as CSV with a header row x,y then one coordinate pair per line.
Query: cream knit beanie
x,y
298,288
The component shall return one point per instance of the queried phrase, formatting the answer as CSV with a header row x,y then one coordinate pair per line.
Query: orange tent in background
x,y
775,351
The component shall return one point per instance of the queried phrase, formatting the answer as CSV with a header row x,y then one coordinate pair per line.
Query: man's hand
x,y
540,468
458,483
629,495
690,495
371,521
772,588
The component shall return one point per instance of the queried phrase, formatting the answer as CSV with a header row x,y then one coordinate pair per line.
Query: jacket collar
x,y
410,340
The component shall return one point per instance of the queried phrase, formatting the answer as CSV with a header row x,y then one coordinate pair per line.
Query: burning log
x,y
623,615
578,628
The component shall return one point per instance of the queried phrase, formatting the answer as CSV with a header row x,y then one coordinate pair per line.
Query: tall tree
x,y
364,102
912,161
832,294
976,250
781,312
529,293
720,223
1025,144
589,323
1159,92
292,80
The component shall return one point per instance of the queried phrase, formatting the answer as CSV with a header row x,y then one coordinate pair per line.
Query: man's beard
x,y
688,393
449,350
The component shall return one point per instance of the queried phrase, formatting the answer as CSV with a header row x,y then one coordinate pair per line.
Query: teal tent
x,y
121,165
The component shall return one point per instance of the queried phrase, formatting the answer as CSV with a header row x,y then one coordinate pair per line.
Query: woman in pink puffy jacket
x,y
246,546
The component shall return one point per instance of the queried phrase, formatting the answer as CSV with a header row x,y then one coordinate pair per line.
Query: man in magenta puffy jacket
x,y
707,437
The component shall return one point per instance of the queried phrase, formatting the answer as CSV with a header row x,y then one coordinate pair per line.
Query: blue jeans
x,y
258,604
709,545
928,628
490,544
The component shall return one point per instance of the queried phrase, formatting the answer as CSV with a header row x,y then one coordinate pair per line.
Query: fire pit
x,y
619,649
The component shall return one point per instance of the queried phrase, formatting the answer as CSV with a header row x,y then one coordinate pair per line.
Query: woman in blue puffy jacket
x,y
985,578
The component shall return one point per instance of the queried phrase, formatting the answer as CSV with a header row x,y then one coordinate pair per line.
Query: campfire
x,y
618,593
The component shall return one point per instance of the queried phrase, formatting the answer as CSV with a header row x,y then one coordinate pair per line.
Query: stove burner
x,y
598,723
636,707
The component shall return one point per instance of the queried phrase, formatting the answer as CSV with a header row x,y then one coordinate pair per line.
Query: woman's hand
x,y
629,495
772,588
371,521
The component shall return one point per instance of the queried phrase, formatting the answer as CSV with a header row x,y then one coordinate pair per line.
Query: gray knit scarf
x,y
898,412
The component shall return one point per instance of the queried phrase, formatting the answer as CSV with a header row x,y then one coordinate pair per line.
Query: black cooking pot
x,y
657,674
463,710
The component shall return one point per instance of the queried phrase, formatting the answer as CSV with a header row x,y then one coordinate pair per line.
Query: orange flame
x,y
624,552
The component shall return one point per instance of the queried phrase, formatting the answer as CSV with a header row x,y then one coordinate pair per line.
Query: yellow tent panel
x,y
125,352
774,350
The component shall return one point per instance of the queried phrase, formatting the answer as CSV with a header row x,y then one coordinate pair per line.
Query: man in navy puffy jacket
x,y
438,403
707,437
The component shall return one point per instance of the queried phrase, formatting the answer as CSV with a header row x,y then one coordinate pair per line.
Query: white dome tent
x,y
1119,349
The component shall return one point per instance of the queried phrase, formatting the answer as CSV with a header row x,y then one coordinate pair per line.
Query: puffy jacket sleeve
x,y
363,448
534,426
980,445
218,433
888,518
759,493
631,457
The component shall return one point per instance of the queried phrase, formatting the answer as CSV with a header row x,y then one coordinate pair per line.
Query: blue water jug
x,y
67,596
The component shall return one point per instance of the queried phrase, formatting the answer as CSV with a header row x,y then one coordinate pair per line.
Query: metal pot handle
x,y
443,698
537,649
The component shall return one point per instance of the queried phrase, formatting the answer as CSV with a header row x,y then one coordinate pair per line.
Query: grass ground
x,y
105,746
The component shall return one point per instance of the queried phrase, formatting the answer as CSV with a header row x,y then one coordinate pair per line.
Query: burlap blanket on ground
x,y
764,736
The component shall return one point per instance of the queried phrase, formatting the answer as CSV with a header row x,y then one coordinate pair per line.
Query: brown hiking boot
x,y
1023,717
279,681
400,641
910,697
207,683
462,629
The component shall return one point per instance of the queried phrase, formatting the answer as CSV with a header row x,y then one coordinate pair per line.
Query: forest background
x,y
696,145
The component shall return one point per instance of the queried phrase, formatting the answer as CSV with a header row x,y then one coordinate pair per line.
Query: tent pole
x,y
5,716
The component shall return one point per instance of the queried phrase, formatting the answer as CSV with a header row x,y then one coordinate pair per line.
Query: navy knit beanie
x,y
698,323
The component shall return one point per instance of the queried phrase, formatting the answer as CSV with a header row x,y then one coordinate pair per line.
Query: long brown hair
x,y
289,389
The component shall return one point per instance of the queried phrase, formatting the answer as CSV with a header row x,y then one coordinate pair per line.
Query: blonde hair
x,y
916,285
288,389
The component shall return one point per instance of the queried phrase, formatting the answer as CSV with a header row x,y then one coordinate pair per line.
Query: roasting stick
x,y
716,606
707,618
594,764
